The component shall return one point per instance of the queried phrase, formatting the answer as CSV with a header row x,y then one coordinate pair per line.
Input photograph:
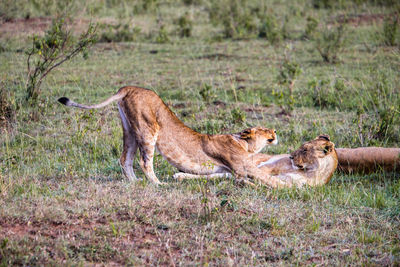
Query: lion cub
x,y
148,123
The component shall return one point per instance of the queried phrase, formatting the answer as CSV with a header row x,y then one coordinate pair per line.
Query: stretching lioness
x,y
313,164
148,124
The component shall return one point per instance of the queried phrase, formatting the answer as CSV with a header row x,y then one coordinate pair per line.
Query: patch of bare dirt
x,y
20,26
142,238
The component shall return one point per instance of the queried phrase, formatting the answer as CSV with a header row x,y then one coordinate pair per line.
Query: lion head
x,y
258,137
307,156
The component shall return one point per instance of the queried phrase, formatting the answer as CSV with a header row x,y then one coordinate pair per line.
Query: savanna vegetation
x,y
303,67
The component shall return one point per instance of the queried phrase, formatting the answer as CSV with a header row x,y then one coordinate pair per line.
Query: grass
x,y
64,200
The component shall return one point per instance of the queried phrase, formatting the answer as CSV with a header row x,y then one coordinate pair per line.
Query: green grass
x,y
64,200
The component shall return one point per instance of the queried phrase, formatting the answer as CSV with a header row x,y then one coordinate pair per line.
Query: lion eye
x,y
300,166
291,157
271,140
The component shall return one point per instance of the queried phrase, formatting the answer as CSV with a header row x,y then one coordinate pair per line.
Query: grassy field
x,y
221,67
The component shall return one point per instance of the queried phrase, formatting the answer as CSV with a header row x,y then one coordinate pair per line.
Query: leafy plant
x,y
390,28
323,95
287,76
378,112
185,25
48,52
330,42
144,6
162,35
7,107
270,30
207,93
311,27
238,115
236,17
204,190
119,33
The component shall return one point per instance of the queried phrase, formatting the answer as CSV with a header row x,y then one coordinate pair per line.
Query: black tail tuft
x,y
63,100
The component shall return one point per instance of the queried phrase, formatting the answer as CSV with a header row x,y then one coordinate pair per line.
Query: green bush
x,y
284,95
270,30
50,51
311,27
7,107
185,25
192,2
162,35
119,33
328,3
379,109
238,115
237,17
324,94
207,93
329,42
390,29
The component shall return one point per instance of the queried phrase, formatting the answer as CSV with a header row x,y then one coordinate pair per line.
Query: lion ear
x,y
324,136
247,134
328,148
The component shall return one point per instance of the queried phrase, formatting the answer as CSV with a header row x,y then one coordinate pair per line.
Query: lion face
x,y
308,155
258,138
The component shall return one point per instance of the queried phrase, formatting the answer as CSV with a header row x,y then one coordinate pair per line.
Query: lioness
x,y
368,159
313,164
148,123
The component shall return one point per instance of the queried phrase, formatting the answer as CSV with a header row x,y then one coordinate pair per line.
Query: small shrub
x,y
185,25
144,6
50,51
7,108
207,93
236,17
324,95
330,42
390,28
287,76
192,2
119,33
378,112
270,30
328,4
3,47
238,115
311,27
162,35
288,73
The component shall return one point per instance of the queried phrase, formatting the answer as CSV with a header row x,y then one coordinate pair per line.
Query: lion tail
x,y
119,95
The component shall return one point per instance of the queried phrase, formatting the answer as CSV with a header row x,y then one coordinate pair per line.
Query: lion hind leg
x,y
129,147
147,147
146,162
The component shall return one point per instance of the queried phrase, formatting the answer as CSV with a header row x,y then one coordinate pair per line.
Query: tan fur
x,y
313,164
148,124
368,159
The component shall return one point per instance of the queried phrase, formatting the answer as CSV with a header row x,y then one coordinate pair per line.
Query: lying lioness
x,y
368,159
313,164
148,123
